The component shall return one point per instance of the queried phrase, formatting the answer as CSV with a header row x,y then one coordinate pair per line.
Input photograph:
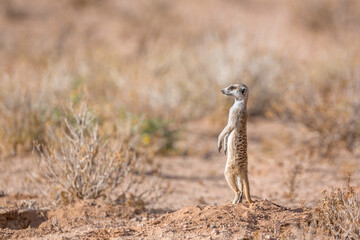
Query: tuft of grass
x,y
292,180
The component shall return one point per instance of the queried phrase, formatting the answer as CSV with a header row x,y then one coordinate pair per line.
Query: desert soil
x,y
196,204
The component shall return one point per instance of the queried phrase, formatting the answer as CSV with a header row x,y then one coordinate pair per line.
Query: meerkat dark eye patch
x,y
243,91
232,88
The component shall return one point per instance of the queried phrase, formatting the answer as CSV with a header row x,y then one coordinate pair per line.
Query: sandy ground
x,y
197,202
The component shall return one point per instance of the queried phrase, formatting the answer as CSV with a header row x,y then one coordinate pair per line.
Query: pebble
x,y
212,226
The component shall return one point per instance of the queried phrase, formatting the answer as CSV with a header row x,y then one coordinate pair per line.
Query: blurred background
x,y
161,64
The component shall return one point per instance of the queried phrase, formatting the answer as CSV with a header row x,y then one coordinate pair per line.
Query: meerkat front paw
x,y
219,146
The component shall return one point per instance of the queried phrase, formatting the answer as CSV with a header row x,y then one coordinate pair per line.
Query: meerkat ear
x,y
243,91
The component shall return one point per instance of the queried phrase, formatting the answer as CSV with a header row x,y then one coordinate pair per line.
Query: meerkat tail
x,y
245,182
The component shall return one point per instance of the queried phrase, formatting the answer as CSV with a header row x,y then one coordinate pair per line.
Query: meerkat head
x,y
238,91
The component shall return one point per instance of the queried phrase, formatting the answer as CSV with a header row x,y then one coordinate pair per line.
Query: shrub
x,y
82,165
338,215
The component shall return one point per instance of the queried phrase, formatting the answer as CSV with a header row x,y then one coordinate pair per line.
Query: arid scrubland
x,y
166,68
146,70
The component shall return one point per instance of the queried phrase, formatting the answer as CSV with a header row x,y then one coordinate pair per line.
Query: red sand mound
x,y
97,219
231,221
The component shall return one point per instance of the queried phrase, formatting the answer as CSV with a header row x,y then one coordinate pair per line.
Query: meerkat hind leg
x,y
231,180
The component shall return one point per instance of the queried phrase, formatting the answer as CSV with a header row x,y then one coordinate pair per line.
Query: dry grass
x,y
165,89
330,15
326,101
28,108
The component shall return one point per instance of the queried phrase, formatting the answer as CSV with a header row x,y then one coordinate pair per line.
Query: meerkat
x,y
235,143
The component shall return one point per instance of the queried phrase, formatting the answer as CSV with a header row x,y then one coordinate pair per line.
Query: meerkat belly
x,y
230,144
237,147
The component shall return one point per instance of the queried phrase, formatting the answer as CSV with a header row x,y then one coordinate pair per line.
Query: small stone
x,y
137,219
212,226
216,231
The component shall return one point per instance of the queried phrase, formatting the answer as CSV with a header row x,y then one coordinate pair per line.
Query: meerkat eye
x,y
232,88
243,91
